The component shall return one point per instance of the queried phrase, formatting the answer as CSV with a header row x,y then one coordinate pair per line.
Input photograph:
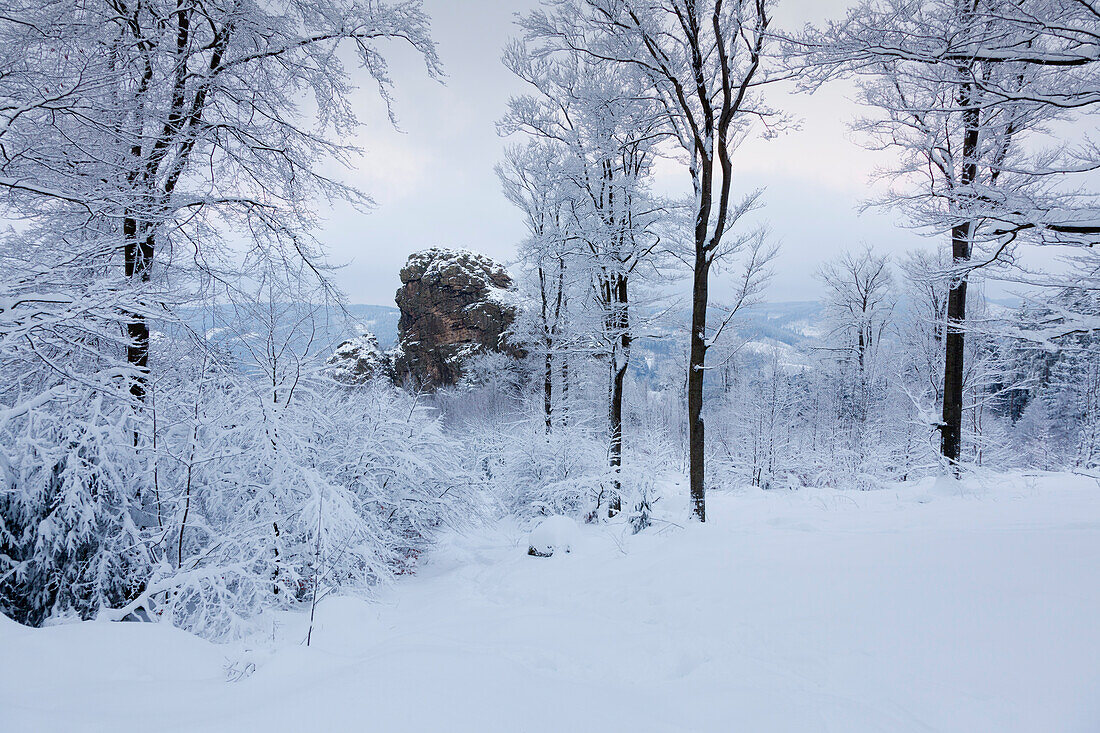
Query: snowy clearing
x,y
927,608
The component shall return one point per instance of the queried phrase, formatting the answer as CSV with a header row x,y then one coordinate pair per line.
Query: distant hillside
x,y
786,325
787,322
781,328
381,320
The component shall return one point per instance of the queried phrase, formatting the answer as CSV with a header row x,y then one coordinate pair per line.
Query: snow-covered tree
x,y
138,142
700,65
948,82
532,179
859,303
276,482
174,117
596,203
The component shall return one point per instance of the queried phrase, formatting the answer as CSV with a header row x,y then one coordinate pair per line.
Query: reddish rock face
x,y
454,304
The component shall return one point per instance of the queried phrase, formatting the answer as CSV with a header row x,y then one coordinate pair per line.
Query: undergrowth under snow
x,y
935,606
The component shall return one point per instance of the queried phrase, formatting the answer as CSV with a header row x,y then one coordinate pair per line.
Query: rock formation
x,y
359,360
454,304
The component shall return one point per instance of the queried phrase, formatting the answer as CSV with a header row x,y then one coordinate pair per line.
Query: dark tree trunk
x,y
548,365
138,261
563,413
861,350
615,436
951,430
548,389
961,236
619,362
696,372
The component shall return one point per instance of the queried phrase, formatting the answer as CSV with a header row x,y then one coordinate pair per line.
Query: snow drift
x,y
923,608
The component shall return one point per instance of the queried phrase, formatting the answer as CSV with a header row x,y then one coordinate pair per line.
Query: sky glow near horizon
x,y
434,184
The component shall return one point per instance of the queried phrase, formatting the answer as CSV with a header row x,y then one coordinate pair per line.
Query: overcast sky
x,y
434,183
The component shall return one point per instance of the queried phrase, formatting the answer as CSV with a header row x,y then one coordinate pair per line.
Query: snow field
x,y
936,607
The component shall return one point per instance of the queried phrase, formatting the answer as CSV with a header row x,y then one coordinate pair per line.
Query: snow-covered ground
x,y
929,608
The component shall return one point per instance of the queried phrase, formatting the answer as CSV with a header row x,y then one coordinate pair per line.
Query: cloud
x,y
393,168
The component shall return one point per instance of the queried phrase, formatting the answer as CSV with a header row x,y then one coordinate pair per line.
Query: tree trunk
x,y
563,413
615,435
951,430
961,235
620,360
548,344
138,260
548,388
696,363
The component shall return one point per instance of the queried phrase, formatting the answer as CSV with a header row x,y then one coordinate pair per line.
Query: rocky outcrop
x,y
454,304
359,360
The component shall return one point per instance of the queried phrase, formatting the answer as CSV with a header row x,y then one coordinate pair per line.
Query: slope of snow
x,y
933,607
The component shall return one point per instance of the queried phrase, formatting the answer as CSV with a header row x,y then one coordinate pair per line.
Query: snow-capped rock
x,y
454,304
359,360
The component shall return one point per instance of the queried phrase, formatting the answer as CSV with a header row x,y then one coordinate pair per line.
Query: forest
x,y
613,466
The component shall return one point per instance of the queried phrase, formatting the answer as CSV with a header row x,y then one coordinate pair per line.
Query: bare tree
x,y
949,81
168,117
141,141
603,126
859,301
702,64
531,179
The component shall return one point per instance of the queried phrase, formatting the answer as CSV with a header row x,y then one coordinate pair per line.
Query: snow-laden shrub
x,y
536,470
536,473
650,456
229,492
74,469
279,496
70,503
531,471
